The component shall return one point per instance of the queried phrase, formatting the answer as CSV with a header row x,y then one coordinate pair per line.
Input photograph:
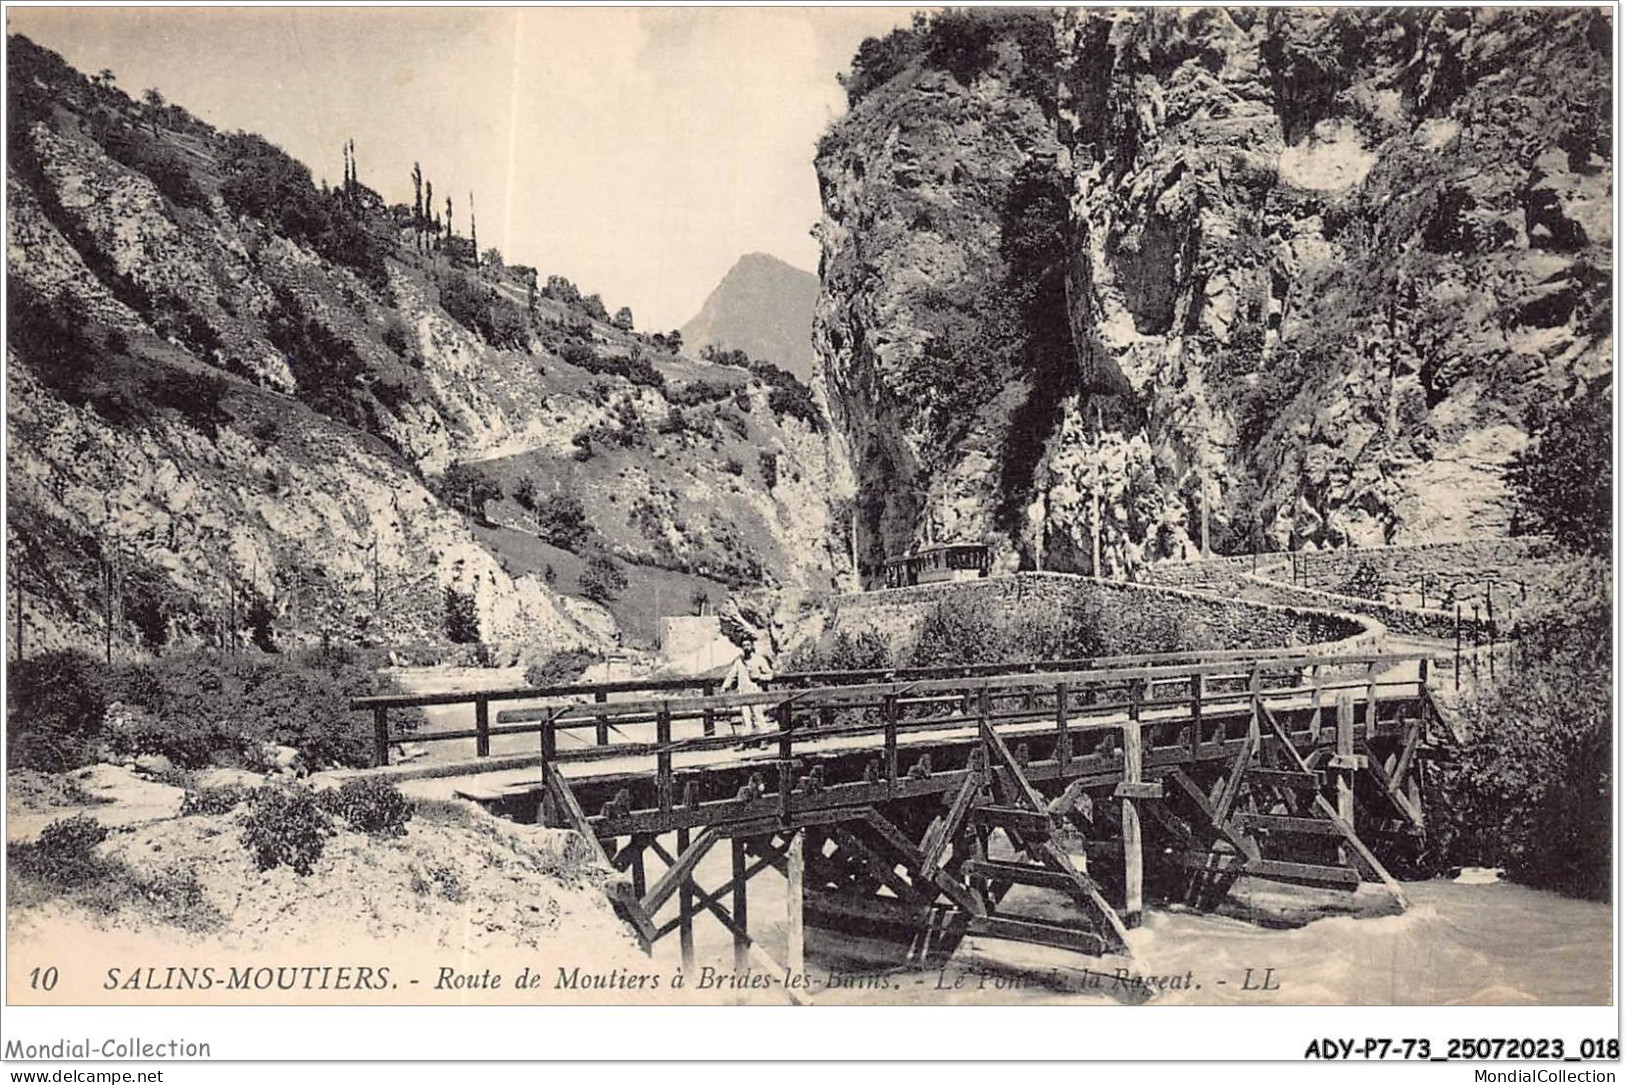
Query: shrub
x,y
286,827
370,805
559,669
602,580
467,489
190,742
878,60
326,369
1531,790
197,396
462,617
1362,583
50,339
524,493
198,709
57,701
1564,479
697,393
634,368
734,467
562,520
215,800
770,469
483,311
64,854
397,336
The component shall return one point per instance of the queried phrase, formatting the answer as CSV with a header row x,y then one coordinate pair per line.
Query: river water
x,y
1456,944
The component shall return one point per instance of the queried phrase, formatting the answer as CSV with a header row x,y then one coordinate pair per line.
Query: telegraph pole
x,y
1202,476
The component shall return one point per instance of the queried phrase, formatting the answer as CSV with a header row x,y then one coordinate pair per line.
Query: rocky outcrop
x,y
917,183
1318,268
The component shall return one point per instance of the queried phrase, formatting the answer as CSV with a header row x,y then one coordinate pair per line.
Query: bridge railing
x,y
1177,695
661,758
807,679
483,730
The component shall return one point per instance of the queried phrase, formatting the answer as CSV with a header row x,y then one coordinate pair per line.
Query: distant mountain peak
x,y
764,307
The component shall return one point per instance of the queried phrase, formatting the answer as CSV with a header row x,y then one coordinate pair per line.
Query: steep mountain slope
x,y
764,307
260,402
1322,269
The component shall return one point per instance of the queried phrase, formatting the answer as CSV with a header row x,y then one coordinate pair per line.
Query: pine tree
x,y
428,209
473,233
417,205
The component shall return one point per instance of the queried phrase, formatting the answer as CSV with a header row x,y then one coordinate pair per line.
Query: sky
x,y
638,151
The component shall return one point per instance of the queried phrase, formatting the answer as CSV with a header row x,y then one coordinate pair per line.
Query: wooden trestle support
x,y
1271,782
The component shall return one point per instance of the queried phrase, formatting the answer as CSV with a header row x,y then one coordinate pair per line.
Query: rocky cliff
x,y
247,401
1309,273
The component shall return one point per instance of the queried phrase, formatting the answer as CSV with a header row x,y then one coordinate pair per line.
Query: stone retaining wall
x,y
897,613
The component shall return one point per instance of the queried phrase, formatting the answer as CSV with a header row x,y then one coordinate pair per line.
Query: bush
x,y
1564,479
1531,790
559,669
198,709
634,368
370,805
462,617
483,311
215,800
602,580
286,827
770,469
64,854
397,336
1362,583
561,519
197,396
524,493
57,701
467,489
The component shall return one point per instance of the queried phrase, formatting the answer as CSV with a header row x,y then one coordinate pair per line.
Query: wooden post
x,y
889,713
550,741
1198,687
1133,860
709,720
1475,640
1422,678
601,731
1063,740
795,957
640,880
741,938
1489,606
482,727
1458,647
786,756
1345,775
663,782
1371,702
685,895
380,735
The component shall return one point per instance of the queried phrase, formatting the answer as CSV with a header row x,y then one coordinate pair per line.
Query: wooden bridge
x,y
906,805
